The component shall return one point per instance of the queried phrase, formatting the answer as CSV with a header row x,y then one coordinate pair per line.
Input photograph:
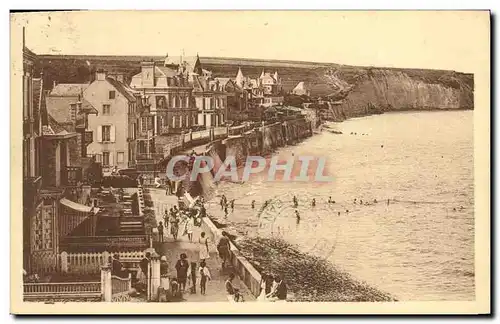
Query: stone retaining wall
x,y
247,273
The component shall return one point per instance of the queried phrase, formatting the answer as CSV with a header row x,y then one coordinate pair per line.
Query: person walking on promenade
x,y
182,267
193,277
168,188
204,252
165,219
204,277
224,247
230,290
174,226
157,181
160,232
189,228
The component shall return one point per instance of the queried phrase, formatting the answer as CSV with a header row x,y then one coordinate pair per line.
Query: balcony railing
x,y
104,243
149,156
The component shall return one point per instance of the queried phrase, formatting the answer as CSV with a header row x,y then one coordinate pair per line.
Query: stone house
x,y
114,102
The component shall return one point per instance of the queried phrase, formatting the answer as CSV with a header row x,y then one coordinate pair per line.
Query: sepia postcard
x,y
250,162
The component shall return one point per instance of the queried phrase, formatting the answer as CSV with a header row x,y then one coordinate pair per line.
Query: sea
x,y
403,216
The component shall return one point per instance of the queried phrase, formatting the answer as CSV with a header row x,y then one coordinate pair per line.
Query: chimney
x,y
147,70
100,75
24,37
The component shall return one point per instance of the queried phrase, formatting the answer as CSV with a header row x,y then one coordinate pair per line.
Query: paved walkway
x,y
172,249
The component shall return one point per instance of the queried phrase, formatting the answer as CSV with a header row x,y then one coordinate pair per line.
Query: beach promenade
x,y
173,249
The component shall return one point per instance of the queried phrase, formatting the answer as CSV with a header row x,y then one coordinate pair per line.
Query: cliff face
x,y
359,90
379,90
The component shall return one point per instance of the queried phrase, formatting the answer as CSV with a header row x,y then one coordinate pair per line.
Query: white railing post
x,y
155,275
105,258
64,262
129,286
106,285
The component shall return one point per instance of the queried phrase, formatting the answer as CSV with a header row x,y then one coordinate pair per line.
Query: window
x,y
106,133
112,95
120,156
106,109
105,158
72,109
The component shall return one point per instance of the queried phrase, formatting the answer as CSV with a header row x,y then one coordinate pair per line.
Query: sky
x,y
449,40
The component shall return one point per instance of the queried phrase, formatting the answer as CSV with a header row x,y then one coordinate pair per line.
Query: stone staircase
x,y
131,227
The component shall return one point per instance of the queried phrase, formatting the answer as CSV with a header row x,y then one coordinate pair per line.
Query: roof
x,y
123,89
53,128
161,71
300,86
198,83
69,89
58,108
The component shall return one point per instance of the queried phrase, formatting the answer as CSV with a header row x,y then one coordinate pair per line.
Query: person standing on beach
x,y
225,210
313,203
232,205
253,204
297,216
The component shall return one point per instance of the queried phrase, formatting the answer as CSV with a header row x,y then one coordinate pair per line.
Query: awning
x,y
75,206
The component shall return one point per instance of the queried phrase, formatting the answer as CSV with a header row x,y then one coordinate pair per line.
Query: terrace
x,y
115,221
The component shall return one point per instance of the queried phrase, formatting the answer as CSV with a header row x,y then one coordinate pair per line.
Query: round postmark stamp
x,y
298,220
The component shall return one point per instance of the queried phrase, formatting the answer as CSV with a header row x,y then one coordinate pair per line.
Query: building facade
x,y
211,101
169,96
264,91
114,101
54,161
